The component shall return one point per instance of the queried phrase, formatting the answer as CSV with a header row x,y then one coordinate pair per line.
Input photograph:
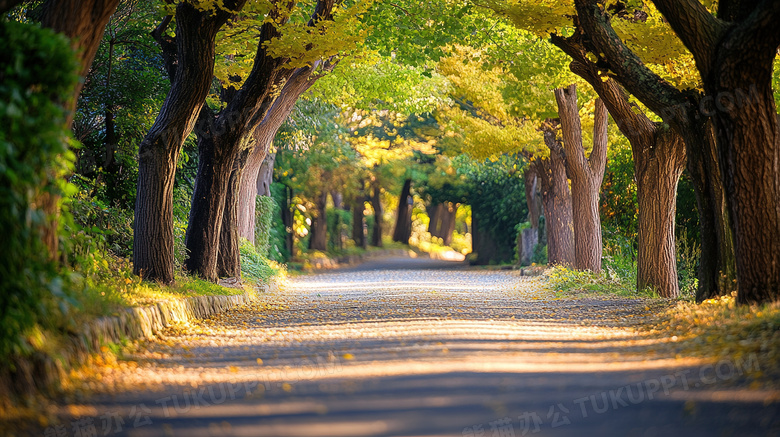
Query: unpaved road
x,y
402,347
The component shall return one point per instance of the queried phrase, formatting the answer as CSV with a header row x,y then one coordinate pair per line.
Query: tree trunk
x,y
586,176
319,225
531,196
734,57
258,163
159,151
359,223
659,158
265,176
434,214
447,223
229,254
657,171
717,264
527,239
208,204
403,223
233,131
557,202
376,204
83,22
749,154
251,184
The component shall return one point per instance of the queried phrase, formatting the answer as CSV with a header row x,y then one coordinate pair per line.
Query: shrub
x,y
37,74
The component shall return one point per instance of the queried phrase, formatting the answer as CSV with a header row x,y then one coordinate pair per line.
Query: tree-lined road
x,y
401,347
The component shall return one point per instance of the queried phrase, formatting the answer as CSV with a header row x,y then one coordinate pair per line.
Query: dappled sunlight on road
x,y
407,352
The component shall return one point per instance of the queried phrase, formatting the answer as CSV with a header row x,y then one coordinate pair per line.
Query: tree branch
x,y
759,31
698,30
7,5
631,121
628,69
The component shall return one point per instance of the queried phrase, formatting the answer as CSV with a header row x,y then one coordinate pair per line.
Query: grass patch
x,y
569,283
746,337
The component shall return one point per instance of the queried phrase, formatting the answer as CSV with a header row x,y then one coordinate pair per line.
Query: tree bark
x,y
158,153
265,176
403,223
557,201
228,253
586,175
531,196
319,224
434,224
376,204
83,21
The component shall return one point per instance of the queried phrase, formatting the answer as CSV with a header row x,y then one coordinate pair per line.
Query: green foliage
x,y
37,74
278,232
339,227
540,254
376,83
265,208
496,193
255,266
688,253
618,205
182,199
113,224
122,94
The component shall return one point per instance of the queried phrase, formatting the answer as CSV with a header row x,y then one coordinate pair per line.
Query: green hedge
x,y
37,74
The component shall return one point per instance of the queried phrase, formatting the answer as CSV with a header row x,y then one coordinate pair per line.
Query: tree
x,y
659,159
734,54
586,175
556,198
190,60
681,111
284,46
403,222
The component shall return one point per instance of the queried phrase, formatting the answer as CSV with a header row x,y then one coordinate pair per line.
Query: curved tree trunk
x,y
403,223
300,81
586,176
231,135
735,57
376,204
158,153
